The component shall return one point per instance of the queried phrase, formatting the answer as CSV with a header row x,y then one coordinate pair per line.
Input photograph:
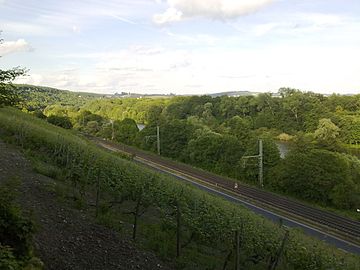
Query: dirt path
x,y
67,238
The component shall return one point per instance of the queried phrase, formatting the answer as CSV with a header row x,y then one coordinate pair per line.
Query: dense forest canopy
x,y
215,133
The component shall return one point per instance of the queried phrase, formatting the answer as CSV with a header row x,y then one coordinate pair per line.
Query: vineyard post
x,y
97,195
178,229
280,251
136,215
237,249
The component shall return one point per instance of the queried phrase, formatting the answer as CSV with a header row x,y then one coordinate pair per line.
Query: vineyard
x,y
189,226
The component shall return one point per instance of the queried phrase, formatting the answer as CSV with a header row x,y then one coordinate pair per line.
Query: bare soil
x,y
68,238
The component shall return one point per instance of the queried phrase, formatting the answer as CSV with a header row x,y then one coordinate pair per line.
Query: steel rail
x,y
341,225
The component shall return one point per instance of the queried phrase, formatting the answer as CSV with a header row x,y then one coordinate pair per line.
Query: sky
x,y
184,46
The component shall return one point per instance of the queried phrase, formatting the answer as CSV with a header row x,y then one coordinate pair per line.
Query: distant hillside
x,y
238,94
234,94
38,97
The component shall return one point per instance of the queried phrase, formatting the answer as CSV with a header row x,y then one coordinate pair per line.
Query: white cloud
x,y
33,78
211,70
19,45
197,39
320,19
170,15
301,25
75,29
263,29
24,28
122,19
212,9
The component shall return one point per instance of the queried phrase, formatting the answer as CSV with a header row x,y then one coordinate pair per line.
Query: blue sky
x,y
184,46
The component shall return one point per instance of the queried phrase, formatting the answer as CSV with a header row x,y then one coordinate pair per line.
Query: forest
x,y
214,133
178,221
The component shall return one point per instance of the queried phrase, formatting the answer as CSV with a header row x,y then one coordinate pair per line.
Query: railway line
x,y
325,221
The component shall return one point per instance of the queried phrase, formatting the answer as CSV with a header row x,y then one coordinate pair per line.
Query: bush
x,y
7,258
61,121
16,231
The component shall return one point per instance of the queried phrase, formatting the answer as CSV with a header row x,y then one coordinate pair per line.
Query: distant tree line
x,y
215,133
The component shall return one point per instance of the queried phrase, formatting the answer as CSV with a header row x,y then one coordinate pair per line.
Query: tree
x,y
239,127
8,96
350,129
305,175
271,157
126,131
215,152
61,121
174,137
327,132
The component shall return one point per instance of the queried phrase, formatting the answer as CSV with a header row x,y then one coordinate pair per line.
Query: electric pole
x,y
261,179
112,129
260,157
157,138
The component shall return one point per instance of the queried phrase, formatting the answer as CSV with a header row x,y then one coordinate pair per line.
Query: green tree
x,y
271,157
175,136
61,121
8,95
320,176
327,132
215,152
126,131
239,127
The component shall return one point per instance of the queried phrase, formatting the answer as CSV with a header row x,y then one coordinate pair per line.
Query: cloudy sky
x,y
184,46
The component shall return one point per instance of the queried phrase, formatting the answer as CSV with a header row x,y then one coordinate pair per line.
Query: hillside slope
x,y
68,238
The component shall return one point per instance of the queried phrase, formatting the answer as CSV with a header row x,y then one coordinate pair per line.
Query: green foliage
x,y
61,121
211,133
175,136
327,132
39,97
270,160
8,94
16,231
126,131
350,128
305,175
7,259
211,219
46,168
239,127
215,152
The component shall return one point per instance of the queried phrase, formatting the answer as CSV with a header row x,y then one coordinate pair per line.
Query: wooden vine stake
x,y
136,214
97,195
178,229
237,250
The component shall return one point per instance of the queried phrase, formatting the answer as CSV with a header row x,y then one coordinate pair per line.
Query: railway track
x,y
338,225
